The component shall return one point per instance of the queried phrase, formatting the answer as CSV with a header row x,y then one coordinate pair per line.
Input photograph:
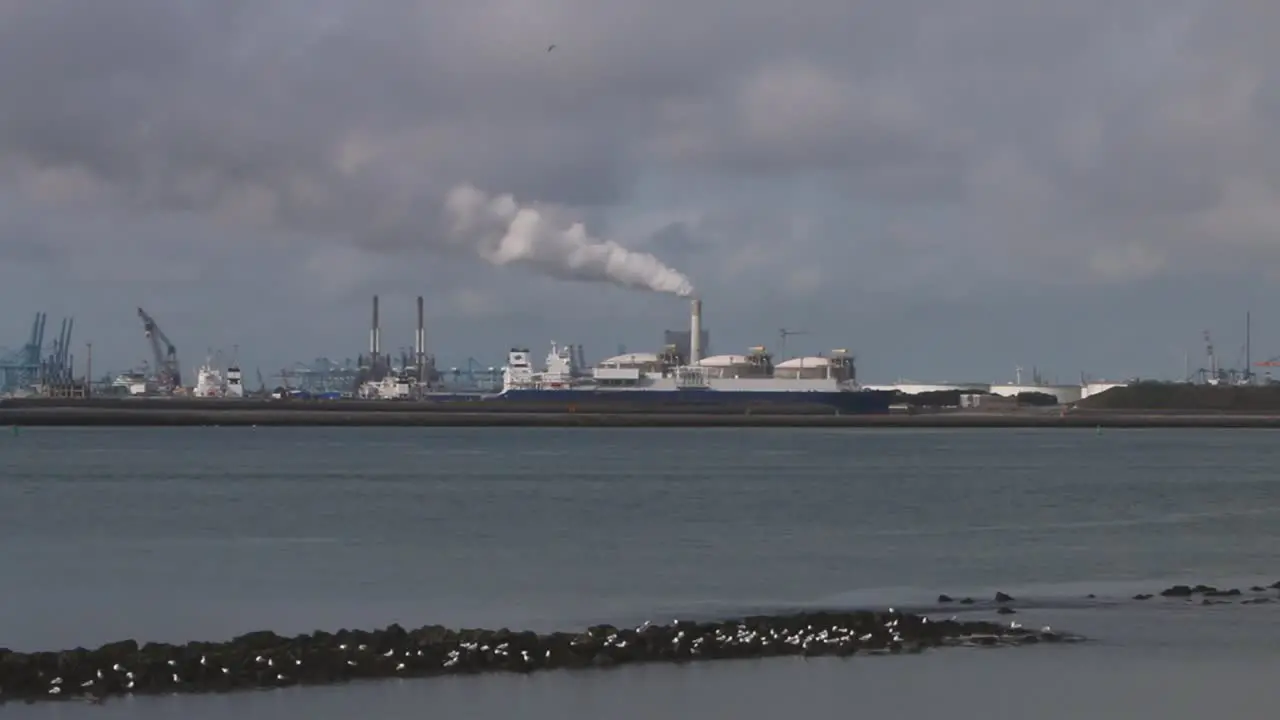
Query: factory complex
x,y
680,371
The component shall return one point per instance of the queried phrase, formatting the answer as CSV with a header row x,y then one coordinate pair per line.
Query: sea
x,y
178,534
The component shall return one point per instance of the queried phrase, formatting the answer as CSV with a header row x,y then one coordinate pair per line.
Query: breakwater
x,y
260,660
387,414
267,660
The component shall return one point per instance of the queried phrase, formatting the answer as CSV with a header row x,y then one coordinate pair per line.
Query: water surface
x,y
185,533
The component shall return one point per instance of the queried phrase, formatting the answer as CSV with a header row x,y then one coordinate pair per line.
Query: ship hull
x,y
867,401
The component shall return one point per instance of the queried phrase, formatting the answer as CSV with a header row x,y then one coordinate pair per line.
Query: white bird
x,y
399,667
55,690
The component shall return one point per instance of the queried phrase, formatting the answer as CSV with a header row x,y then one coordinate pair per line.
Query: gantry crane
x,y
783,334
168,376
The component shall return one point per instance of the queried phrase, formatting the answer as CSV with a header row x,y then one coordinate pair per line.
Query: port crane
x,y
783,334
168,376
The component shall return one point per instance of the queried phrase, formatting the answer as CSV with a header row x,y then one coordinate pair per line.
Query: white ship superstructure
x,y
135,383
234,387
209,382
395,386
214,381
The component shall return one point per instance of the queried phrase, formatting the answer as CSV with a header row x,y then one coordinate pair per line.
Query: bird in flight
x,y
552,47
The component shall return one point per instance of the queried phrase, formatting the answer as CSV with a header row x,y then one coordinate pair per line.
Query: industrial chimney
x,y
375,339
695,333
420,344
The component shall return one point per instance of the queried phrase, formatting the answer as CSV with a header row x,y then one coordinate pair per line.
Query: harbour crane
x,y
168,376
783,334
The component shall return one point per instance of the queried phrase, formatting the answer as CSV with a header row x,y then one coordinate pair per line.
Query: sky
x,y
949,188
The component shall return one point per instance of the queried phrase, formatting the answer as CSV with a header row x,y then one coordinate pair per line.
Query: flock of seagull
x,y
833,639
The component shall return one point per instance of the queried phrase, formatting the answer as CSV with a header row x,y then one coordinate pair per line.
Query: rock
x,y
1177,591
1002,598
945,599
1142,596
967,601
1006,610
265,659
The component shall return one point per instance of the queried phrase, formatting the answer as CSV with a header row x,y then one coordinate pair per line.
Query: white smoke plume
x,y
504,233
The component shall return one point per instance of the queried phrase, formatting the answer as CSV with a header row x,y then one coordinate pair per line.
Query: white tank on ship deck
x,y
724,361
630,360
730,366
803,368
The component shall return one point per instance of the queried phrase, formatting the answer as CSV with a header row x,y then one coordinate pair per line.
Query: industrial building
x,y
681,340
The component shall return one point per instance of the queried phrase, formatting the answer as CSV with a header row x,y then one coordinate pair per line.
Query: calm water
x,y
181,534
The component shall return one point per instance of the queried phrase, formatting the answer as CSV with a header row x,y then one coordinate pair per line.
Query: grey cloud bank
x,y
269,159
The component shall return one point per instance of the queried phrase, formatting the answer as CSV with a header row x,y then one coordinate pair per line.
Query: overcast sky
x,y
948,187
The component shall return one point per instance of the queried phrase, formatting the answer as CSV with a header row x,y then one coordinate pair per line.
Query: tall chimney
x,y
375,340
695,333
420,343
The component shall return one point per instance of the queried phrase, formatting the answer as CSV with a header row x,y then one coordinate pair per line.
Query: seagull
x,y
550,48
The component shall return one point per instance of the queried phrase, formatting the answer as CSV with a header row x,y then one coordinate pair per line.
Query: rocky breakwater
x,y
267,660
1212,595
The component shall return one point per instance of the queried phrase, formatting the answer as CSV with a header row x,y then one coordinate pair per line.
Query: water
x,y
180,534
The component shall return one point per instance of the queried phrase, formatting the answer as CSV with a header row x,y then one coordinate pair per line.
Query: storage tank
x,y
630,360
1064,393
803,368
1093,388
915,388
731,366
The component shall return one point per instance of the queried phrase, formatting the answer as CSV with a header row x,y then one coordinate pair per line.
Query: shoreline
x,y
460,415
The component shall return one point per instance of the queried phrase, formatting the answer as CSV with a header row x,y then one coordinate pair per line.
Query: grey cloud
x,y
1077,142
353,119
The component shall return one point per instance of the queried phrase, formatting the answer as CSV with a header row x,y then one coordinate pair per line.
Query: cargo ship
x,y
669,378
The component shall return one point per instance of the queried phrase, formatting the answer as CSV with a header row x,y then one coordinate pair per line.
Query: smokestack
x,y
420,342
695,333
375,339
